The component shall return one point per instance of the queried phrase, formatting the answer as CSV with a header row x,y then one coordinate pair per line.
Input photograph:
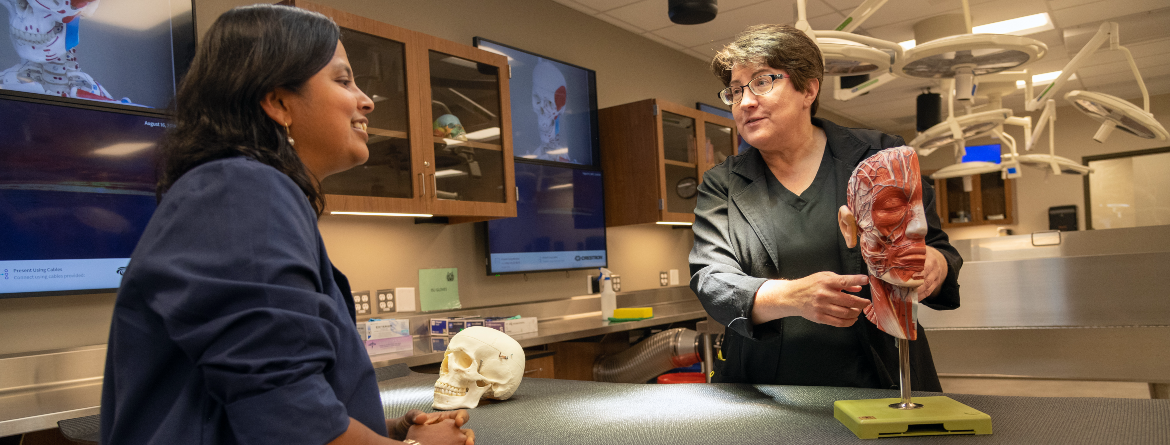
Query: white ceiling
x,y
1144,30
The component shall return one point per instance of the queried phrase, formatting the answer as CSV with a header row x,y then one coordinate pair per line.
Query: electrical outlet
x,y
361,302
385,301
616,282
663,278
674,277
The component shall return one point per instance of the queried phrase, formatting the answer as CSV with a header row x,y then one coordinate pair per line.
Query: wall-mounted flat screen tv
x,y
114,52
73,202
554,107
559,223
84,85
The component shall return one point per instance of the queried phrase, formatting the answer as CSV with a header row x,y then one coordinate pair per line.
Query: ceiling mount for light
x,y
1111,111
692,12
848,54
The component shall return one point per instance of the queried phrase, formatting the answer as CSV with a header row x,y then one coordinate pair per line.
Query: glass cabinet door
x,y
465,112
379,71
720,144
680,158
992,196
958,200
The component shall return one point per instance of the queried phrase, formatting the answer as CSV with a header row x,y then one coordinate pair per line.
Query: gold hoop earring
x,y
288,133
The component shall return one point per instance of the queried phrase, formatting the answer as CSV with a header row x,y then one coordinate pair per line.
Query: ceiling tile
x,y
999,10
827,21
621,24
1062,4
649,15
668,43
845,6
578,6
731,5
1099,11
606,5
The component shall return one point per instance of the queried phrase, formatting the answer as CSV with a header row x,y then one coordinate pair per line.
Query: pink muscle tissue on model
x,y
884,199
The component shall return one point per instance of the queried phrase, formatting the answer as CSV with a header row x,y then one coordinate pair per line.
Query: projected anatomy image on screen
x,y
552,107
115,51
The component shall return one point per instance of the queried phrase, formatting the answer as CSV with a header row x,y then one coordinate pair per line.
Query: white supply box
x,y
387,335
523,325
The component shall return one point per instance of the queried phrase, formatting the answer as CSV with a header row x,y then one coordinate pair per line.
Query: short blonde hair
x,y
777,46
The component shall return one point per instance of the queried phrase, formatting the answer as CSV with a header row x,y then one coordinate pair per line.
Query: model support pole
x,y
904,376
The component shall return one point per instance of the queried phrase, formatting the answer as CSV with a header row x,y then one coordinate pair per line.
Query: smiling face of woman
x,y
327,119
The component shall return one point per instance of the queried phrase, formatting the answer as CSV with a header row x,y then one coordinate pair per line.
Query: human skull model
x,y
479,362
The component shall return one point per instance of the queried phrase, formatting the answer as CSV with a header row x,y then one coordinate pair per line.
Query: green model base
x,y
939,415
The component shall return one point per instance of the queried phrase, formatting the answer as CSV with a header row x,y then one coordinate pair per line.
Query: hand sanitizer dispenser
x,y
608,297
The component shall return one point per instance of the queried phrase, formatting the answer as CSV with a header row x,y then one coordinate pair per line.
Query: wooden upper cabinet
x,y
653,155
975,200
440,133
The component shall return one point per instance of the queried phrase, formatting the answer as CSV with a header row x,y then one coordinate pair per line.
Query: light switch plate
x,y
404,299
674,277
384,301
361,303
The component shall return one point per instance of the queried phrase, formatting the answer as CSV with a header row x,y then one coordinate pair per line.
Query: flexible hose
x,y
666,350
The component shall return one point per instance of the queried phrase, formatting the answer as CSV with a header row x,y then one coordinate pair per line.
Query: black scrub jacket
x,y
735,253
231,325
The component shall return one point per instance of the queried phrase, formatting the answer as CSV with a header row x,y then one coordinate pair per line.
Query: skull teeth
x,y
449,390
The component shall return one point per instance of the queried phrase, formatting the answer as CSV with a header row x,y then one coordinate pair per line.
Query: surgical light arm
x,y
1107,30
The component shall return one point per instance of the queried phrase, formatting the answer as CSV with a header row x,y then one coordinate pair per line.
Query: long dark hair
x,y
248,52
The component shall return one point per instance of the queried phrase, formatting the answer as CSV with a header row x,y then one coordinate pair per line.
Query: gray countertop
x,y
566,412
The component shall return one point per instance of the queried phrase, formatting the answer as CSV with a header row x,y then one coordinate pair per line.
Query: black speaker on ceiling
x,y
692,12
929,111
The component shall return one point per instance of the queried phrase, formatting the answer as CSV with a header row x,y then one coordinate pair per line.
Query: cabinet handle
x,y
530,371
423,183
435,186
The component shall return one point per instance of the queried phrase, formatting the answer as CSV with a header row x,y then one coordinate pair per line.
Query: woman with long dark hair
x,y
231,324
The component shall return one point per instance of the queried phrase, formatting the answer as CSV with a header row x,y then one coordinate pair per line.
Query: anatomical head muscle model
x,y
884,208
479,362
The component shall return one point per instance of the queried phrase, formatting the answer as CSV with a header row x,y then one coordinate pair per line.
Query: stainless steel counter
x,y
1093,307
37,390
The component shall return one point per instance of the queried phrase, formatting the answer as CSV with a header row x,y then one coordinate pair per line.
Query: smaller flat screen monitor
x,y
983,153
554,107
76,191
559,223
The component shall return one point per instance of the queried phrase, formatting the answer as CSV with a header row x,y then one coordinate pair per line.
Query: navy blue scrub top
x,y
231,325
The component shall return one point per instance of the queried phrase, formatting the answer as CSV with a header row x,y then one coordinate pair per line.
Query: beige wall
x,y
1038,190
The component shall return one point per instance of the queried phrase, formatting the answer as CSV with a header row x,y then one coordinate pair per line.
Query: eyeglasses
x,y
760,86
